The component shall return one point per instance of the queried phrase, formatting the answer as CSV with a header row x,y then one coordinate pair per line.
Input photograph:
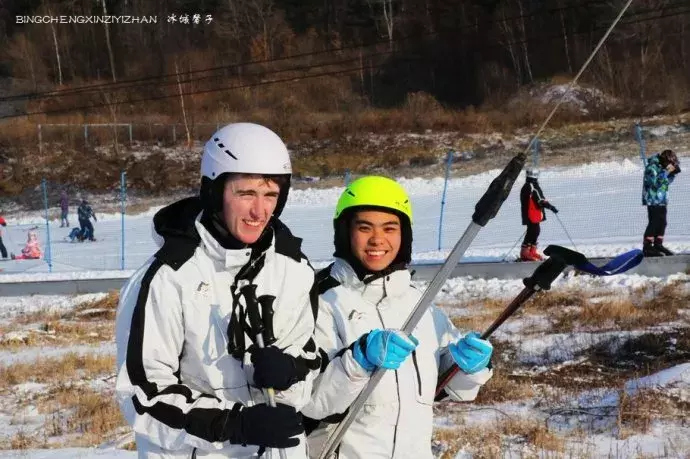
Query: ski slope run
x,y
599,206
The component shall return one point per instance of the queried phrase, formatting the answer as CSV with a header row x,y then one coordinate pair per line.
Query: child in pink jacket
x,y
32,249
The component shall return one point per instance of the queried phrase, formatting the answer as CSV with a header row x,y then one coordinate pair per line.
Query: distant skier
x,y
32,249
84,213
64,209
532,205
3,250
659,173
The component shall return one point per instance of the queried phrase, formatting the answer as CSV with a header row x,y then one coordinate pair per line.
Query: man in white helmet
x,y
191,373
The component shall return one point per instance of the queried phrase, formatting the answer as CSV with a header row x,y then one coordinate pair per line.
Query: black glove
x,y
263,425
3,224
551,207
276,369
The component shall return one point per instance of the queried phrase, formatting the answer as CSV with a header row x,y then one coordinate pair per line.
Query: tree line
x,y
461,52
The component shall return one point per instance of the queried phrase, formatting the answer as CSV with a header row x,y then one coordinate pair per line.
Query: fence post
x,y
48,256
123,197
643,145
40,139
449,160
130,134
174,135
348,177
86,135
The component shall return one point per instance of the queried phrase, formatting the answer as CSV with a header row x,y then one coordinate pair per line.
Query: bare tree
x,y
110,48
564,30
525,53
184,112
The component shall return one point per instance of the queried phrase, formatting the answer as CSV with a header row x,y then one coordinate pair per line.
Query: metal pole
x,y
348,178
48,256
643,146
86,135
449,158
535,153
40,139
130,134
123,197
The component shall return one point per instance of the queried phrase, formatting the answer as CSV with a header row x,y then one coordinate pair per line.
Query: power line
x,y
154,79
227,88
332,73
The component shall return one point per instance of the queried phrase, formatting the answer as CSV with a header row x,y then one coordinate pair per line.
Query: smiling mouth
x,y
376,253
252,223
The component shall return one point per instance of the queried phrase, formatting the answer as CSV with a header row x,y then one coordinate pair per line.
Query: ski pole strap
x,y
498,191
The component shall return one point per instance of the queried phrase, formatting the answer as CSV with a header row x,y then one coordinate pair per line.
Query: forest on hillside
x,y
331,67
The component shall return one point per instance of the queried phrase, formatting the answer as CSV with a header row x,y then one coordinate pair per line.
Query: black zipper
x,y
416,369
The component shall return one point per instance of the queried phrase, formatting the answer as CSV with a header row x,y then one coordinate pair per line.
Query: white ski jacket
x,y
176,378
396,421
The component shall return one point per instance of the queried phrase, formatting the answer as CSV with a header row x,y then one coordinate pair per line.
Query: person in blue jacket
x,y
659,173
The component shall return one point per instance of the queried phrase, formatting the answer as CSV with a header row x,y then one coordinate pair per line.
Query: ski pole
x,y
522,236
257,326
541,279
565,230
485,210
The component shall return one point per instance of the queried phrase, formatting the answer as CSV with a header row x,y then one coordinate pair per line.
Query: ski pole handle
x,y
266,302
488,205
541,279
257,325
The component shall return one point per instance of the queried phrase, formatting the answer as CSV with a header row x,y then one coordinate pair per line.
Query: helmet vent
x,y
220,145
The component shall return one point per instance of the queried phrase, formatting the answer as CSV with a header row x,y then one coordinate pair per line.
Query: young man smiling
x,y
190,376
364,297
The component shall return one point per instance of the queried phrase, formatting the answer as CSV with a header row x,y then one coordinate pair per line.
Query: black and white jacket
x,y
176,376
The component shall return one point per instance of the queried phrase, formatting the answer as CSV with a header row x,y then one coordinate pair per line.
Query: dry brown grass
x,y
555,301
88,323
487,441
71,410
638,412
92,415
479,313
627,313
503,388
66,368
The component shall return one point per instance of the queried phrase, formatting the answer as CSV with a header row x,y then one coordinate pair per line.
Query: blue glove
x,y
383,348
471,353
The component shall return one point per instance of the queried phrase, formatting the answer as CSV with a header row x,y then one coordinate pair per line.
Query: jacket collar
x,y
229,257
393,285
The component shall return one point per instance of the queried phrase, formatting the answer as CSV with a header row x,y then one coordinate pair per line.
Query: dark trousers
x,y
86,226
532,234
3,250
657,222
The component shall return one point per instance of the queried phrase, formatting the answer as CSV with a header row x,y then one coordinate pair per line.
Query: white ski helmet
x,y
532,172
242,148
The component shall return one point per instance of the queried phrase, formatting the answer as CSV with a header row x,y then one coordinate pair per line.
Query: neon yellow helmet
x,y
374,191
